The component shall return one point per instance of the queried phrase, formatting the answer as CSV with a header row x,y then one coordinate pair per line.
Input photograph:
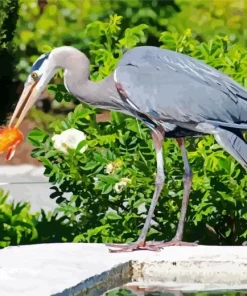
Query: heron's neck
x,y
102,94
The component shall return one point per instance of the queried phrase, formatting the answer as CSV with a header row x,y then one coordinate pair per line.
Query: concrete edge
x,y
203,275
100,283
212,272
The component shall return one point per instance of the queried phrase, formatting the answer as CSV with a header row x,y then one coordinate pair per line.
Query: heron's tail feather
x,y
234,144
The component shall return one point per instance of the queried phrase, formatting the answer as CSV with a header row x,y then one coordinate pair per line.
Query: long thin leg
x,y
187,178
159,182
158,137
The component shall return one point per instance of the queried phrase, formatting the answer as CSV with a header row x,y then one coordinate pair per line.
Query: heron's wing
x,y
235,145
176,88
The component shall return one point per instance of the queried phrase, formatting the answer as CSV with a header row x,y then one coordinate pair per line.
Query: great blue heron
x,y
173,94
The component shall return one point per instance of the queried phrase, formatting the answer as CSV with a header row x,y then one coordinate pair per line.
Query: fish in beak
x,y
10,137
42,72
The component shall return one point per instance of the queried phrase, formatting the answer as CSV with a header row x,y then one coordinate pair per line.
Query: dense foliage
x,y
212,18
20,226
112,181
8,18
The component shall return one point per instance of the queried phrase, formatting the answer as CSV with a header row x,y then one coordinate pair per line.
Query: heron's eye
x,y
34,75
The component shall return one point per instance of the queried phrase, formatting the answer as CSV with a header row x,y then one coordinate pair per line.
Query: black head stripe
x,y
39,62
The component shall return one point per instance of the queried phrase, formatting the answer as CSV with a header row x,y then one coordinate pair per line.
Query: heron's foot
x,y
178,242
150,246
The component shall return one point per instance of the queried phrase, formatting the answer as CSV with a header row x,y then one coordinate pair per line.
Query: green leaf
x,y
113,216
90,165
79,238
59,97
37,136
81,145
45,161
107,188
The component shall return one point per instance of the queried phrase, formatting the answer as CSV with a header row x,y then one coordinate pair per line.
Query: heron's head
x,y
41,73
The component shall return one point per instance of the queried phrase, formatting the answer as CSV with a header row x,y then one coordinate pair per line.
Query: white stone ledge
x,y
89,269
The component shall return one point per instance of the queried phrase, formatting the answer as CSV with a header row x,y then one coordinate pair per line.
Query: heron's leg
x,y
187,178
159,182
158,137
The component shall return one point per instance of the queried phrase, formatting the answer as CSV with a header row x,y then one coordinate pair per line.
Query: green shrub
x,y
8,18
122,151
19,226
209,19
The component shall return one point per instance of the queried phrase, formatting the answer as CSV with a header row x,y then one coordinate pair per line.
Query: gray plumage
x,y
184,95
176,88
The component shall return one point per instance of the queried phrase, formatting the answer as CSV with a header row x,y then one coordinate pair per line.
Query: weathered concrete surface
x,y
66,269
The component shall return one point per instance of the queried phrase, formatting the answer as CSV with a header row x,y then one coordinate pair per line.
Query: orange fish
x,y
10,137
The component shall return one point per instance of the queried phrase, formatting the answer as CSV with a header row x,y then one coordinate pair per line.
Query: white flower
x,y
121,184
109,168
69,139
113,166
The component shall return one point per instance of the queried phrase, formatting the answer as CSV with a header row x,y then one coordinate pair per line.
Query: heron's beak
x,y
26,101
